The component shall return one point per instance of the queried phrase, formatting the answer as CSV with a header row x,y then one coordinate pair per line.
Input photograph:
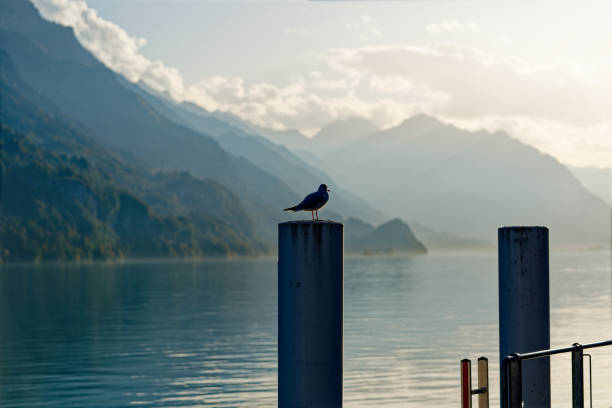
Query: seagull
x,y
313,202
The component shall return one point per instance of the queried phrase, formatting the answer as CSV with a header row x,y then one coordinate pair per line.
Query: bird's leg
x,y
317,215
312,213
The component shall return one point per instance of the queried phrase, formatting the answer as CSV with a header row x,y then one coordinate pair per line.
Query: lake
x,y
175,334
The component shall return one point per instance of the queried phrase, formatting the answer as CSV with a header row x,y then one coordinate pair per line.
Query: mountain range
x,y
597,180
391,237
205,183
157,177
461,182
50,60
64,196
235,136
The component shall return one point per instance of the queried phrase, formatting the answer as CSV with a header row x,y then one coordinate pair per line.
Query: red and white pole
x,y
466,383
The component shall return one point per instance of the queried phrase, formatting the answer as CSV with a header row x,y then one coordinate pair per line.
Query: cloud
x,y
563,110
111,44
452,27
365,28
479,84
559,109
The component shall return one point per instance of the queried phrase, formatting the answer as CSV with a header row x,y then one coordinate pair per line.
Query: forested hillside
x,y
55,207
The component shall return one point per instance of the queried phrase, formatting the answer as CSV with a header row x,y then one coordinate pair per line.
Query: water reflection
x,y
204,334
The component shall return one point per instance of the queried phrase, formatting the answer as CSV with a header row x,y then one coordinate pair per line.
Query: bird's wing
x,y
311,201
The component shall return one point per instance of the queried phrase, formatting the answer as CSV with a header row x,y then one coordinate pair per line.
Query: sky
x,y
542,72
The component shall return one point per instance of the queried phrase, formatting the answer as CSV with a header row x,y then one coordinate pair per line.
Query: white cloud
x,y
390,83
560,109
480,85
111,44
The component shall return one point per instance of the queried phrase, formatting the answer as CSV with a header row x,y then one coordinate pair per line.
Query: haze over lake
x,y
204,334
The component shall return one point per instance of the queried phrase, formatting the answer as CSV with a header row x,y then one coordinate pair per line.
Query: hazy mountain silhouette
x,y
442,241
272,157
291,138
469,183
595,179
341,133
394,236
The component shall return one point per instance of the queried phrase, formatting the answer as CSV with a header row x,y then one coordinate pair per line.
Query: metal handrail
x,y
511,376
590,379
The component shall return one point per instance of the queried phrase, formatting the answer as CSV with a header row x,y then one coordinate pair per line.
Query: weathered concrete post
x,y
524,306
310,314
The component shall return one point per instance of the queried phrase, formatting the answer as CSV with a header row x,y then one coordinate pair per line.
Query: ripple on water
x,y
204,334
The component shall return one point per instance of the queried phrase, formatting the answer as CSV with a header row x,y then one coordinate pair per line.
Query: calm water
x,y
204,334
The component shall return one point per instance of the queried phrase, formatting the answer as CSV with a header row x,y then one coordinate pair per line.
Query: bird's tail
x,y
290,209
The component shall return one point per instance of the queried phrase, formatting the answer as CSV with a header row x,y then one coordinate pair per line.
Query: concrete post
x,y
310,314
524,306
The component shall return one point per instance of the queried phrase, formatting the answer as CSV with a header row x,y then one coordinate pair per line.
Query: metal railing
x,y
512,379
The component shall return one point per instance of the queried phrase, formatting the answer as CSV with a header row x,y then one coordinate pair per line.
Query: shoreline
x,y
273,257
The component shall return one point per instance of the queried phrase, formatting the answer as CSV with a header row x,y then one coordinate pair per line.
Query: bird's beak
x,y
328,189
